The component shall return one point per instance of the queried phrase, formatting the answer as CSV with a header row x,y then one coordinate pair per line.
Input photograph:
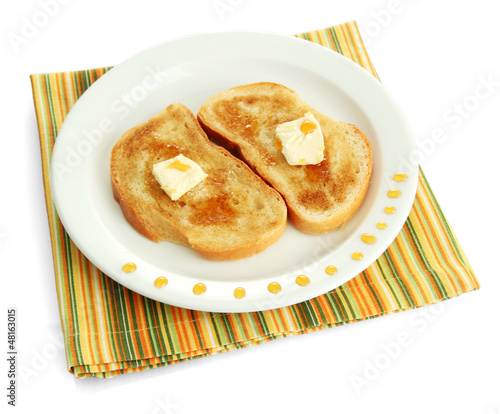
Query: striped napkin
x,y
110,330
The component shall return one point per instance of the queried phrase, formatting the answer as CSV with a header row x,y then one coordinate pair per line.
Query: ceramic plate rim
x,y
219,297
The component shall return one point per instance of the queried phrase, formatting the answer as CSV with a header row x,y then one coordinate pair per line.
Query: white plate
x,y
190,70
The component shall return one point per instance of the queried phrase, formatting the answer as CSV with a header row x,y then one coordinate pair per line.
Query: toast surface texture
x,y
320,197
230,215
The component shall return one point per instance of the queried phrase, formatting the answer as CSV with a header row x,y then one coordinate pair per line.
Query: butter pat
x,y
178,175
301,141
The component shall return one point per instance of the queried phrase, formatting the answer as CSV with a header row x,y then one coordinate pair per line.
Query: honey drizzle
x,y
199,289
160,282
368,238
394,193
302,280
400,177
239,293
274,288
129,267
357,255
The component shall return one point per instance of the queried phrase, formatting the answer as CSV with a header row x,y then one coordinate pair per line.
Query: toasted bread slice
x,y
320,197
231,214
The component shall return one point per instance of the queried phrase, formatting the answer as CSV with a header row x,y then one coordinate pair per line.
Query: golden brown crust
x,y
246,251
131,215
219,218
319,197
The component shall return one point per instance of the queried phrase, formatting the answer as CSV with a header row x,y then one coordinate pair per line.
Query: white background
x,y
433,56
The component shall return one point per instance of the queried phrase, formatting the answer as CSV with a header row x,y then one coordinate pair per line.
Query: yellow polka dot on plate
x,y
161,282
129,267
274,287
357,255
381,225
330,270
302,280
390,210
394,193
199,289
239,293
368,238
400,177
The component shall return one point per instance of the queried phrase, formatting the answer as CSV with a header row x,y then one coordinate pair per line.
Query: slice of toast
x,y
231,214
320,197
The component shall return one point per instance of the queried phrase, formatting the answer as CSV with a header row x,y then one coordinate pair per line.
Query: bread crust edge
x,y
303,224
133,216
